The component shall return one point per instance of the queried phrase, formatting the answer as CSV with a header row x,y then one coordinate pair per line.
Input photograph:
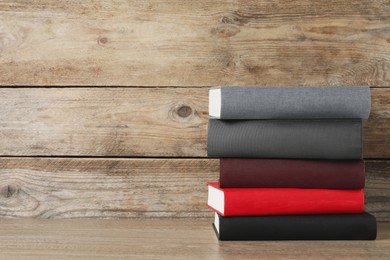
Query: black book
x,y
297,227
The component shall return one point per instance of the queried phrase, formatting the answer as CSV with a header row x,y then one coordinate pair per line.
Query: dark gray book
x,y
289,102
297,227
294,139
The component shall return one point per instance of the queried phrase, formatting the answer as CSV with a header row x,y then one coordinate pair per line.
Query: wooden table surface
x,y
163,239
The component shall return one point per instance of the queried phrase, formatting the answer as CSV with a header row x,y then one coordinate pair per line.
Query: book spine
x,y
277,173
294,139
295,102
299,227
282,201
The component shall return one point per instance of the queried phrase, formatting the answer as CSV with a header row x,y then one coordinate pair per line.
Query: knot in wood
x,y
102,40
226,19
9,190
234,18
184,111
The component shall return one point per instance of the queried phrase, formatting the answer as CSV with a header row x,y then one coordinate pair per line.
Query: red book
x,y
282,201
279,173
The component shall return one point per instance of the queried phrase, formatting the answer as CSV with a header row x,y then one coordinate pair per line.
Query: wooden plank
x,y
105,122
376,129
68,188
192,43
161,122
131,188
377,189
164,239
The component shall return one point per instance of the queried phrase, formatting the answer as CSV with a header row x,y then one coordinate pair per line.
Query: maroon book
x,y
277,173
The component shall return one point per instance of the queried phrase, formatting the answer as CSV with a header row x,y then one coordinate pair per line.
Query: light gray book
x,y
295,139
289,102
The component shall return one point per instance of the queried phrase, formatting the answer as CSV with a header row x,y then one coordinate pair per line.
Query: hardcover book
x,y
282,201
297,227
289,102
289,173
292,139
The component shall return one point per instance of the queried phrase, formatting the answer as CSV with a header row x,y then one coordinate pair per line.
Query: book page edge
x,y
215,103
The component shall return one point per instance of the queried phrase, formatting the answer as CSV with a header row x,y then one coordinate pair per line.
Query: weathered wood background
x,y
91,89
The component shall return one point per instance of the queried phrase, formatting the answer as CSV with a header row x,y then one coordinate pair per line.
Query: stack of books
x,y
291,163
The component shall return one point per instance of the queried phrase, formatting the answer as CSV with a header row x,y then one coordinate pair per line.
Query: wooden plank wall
x,y
104,103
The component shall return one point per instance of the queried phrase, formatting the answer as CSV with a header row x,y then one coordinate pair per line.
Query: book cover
x,y
285,139
282,201
289,173
295,102
297,227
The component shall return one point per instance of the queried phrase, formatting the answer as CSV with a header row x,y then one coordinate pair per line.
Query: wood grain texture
x,y
69,188
131,188
105,122
377,189
194,43
164,239
159,122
